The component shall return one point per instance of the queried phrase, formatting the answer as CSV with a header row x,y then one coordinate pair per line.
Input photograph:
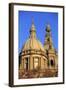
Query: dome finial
x,y
32,26
32,30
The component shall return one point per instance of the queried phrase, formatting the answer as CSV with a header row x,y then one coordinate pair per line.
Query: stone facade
x,y
37,60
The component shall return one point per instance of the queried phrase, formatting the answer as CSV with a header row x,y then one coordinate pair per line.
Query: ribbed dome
x,y
33,43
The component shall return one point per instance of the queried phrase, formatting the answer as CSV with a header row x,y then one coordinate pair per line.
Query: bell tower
x,y
48,39
50,51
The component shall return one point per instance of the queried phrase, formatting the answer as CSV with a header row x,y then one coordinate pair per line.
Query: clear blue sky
x,y
41,19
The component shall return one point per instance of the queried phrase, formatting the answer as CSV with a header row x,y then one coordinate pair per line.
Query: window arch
x,y
48,39
52,62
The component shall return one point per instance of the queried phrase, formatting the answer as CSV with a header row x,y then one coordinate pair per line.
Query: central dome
x,y
33,44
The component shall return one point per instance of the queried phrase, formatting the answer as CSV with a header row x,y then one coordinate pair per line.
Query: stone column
x,y
31,62
42,63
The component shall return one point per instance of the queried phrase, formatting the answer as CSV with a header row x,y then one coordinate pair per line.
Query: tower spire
x,y
48,28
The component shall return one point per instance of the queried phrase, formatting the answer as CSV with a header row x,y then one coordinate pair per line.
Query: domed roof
x,y
33,44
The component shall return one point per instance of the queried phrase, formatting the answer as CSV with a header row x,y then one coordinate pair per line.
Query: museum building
x,y
35,56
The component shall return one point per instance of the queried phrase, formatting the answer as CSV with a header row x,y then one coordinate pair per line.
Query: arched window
x,y
52,63
48,39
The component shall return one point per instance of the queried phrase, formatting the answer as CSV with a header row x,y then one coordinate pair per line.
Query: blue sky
x,y
41,19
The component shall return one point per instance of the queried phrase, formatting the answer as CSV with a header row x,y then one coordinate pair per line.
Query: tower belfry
x,y
50,50
48,39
